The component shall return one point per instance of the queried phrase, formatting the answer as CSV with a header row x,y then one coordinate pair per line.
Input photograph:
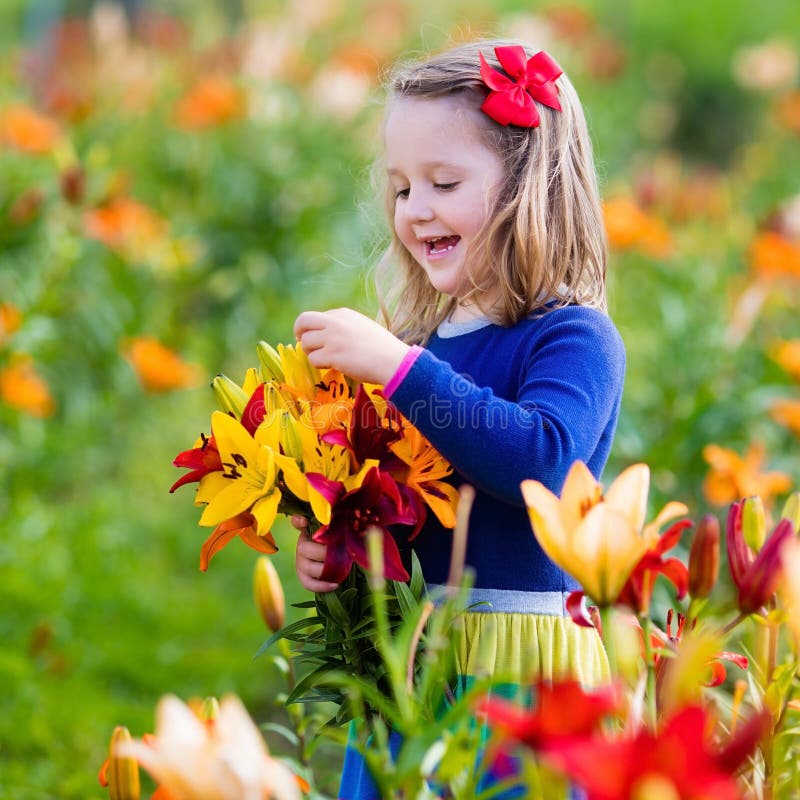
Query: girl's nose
x,y
417,207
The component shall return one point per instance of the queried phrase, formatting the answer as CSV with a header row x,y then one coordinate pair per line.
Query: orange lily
x,y
24,129
244,526
733,477
126,226
630,228
158,368
772,255
212,101
787,412
787,355
22,387
10,320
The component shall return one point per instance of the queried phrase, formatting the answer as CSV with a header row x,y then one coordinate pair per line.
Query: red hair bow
x,y
511,102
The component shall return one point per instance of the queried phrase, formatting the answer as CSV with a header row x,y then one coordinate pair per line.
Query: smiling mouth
x,y
441,245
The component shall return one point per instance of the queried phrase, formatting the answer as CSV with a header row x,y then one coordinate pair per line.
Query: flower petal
x,y
628,494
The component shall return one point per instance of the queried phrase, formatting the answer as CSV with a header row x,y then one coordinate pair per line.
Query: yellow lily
x,y
250,472
299,375
596,538
329,460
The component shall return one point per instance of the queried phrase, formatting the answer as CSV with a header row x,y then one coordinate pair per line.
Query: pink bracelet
x,y
405,365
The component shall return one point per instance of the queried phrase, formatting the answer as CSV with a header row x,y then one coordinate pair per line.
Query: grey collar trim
x,y
447,329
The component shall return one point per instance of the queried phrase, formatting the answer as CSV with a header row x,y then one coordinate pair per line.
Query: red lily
x,y
679,757
254,411
375,502
638,590
756,576
201,460
662,663
562,709
370,434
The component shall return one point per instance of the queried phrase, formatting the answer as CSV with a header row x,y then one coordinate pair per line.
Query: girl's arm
x,y
568,399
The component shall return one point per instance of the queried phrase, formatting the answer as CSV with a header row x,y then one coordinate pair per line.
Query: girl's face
x,y
444,179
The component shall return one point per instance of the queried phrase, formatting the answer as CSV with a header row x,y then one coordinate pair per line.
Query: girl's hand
x,y
348,341
309,559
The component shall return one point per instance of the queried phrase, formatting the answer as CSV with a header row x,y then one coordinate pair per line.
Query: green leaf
x,y
311,681
281,730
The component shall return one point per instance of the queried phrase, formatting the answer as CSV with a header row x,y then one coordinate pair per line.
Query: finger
x,y
299,521
312,551
308,321
312,340
314,585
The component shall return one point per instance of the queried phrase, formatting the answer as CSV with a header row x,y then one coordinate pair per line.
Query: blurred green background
x,y
198,173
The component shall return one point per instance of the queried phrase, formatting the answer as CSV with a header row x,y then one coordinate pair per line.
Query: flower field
x,y
178,184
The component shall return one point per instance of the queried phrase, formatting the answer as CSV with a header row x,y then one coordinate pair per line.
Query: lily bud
x,y
123,772
290,437
271,368
72,183
209,710
791,510
268,594
758,582
230,396
704,558
754,523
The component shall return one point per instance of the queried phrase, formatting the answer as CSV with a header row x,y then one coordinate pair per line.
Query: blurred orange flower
x,y
773,255
733,477
787,354
10,320
125,226
24,129
788,111
158,368
213,100
630,228
22,387
678,192
571,22
787,412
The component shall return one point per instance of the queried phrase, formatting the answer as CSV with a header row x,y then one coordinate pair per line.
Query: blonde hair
x,y
544,241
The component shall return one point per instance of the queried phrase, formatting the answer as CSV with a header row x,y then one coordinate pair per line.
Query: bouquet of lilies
x,y
294,439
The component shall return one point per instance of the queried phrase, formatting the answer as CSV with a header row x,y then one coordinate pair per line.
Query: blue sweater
x,y
505,404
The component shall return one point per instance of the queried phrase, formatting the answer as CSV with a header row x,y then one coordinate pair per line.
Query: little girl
x,y
497,345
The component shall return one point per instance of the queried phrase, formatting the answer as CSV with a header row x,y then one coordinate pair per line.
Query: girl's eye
x,y
401,193
446,187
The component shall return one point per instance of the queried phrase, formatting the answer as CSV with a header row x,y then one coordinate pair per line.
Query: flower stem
x,y
644,621
607,622
733,623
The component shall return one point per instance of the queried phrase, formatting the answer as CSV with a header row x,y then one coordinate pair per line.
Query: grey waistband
x,y
512,600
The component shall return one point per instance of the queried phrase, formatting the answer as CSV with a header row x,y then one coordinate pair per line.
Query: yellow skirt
x,y
523,648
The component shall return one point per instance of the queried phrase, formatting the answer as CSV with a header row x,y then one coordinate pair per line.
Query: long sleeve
x,y
562,378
